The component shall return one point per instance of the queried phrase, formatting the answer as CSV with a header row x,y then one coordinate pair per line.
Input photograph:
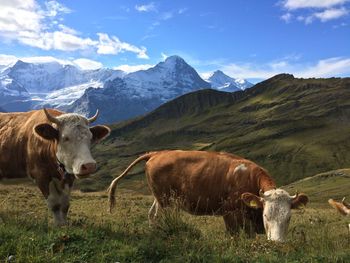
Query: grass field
x,y
316,234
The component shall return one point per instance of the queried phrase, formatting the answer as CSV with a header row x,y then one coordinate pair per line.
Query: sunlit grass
x,y
94,235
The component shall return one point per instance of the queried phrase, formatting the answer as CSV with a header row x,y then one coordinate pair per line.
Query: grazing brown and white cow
x,y
52,148
211,183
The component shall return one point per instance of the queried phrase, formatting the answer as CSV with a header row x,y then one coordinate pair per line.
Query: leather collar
x,y
64,175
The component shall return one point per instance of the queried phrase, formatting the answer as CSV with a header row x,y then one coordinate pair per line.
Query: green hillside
x,y
333,184
295,128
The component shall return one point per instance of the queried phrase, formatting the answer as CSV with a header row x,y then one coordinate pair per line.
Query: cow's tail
x,y
113,185
339,206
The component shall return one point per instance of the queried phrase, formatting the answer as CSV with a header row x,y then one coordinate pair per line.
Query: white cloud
x,y
146,8
56,40
54,8
164,56
287,17
340,25
67,30
82,63
9,59
133,68
330,67
45,59
26,22
324,16
327,68
298,4
19,16
87,64
331,14
114,46
323,10
167,15
182,10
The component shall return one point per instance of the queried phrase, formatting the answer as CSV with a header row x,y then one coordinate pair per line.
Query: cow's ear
x,y
300,201
99,132
46,131
252,201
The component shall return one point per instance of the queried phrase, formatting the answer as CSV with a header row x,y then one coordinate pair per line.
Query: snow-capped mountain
x,y
166,80
140,91
10,90
34,85
46,77
118,95
220,81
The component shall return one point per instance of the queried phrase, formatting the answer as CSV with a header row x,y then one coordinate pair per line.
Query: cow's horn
x,y
262,194
295,196
50,117
93,118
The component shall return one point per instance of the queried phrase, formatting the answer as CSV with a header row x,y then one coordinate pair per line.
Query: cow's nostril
x,y
88,168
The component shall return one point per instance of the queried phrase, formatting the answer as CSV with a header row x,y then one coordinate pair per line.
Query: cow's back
x,y
18,142
203,180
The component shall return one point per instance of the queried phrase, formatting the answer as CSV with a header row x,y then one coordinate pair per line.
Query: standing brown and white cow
x,y
210,183
52,148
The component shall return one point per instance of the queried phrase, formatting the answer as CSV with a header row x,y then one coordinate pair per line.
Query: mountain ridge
x,y
26,86
293,127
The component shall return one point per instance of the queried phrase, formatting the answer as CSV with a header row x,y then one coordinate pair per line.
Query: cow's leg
x,y
58,201
235,222
152,213
54,201
256,217
65,202
231,224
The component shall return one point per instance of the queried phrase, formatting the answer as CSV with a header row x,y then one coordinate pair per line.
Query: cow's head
x,y
276,205
74,138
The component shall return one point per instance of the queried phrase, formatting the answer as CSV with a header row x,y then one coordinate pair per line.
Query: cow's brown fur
x,y
342,207
205,182
23,154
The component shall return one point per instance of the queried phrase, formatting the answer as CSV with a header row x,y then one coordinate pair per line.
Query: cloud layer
x,y
324,68
308,11
28,23
82,63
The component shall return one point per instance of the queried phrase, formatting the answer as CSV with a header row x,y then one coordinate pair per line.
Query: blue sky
x,y
251,39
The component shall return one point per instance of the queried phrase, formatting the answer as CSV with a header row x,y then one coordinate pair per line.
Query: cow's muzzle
x,y
87,169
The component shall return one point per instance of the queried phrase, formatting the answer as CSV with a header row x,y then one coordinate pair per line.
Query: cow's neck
x,y
47,149
266,183
62,171
58,169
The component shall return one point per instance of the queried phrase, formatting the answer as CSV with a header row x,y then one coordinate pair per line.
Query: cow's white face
x,y
276,205
73,148
276,214
74,138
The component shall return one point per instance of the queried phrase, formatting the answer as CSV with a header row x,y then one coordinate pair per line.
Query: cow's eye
x,y
66,139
